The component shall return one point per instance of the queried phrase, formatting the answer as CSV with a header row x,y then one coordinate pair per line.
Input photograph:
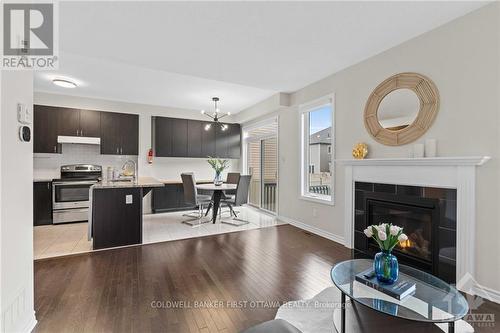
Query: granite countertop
x,y
141,182
42,179
179,181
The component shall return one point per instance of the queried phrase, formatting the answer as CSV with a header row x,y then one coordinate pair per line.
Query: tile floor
x,y
57,240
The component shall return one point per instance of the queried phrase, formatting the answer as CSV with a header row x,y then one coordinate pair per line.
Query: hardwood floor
x,y
161,287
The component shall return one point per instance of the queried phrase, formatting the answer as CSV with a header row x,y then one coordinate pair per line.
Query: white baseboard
x,y
486,293
312,229
30,326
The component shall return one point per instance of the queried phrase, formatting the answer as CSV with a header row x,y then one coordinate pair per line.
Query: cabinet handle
x,y
121,150
117,150
55,149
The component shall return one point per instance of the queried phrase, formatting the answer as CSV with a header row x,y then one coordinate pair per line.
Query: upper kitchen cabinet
x,y
194,141
129,127
90,123
68,121
170,137
119,133
74,122
162,136
234,141
179,137
45,129
207,140
173,137
227,143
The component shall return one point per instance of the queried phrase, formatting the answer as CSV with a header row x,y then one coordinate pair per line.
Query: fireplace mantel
x,y
445,172
432,161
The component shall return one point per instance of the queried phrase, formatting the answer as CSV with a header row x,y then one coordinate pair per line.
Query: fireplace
x,y
428,216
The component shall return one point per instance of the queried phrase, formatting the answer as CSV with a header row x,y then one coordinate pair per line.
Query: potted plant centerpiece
x,y
219,166
385,264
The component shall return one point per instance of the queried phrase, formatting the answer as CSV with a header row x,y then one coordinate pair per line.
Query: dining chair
x,y
191,197
240,198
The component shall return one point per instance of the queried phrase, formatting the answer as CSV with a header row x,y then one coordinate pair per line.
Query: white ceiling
x,y
180,54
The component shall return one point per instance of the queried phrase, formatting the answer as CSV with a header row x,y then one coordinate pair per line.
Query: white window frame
x,y
304,110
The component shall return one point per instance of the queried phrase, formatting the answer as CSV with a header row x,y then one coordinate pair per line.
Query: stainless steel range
x,y
70,193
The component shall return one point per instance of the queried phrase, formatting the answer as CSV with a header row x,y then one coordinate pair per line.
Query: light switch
x,y
128,199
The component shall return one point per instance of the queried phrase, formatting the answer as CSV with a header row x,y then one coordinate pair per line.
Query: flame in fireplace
x,y
405,244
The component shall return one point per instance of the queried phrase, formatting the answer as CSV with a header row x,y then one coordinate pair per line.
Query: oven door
x,y
68,195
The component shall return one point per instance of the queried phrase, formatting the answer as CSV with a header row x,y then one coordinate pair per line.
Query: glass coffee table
x,y
434,300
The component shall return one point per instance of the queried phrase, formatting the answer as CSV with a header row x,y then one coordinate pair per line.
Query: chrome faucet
x,y
135,168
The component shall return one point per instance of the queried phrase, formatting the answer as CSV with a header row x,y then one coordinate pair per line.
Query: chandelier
x,y
216,116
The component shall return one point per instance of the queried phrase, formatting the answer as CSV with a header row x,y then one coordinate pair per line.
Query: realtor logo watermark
x,y
29,36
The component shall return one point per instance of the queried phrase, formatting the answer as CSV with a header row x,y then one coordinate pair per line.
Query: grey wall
x,y
462,58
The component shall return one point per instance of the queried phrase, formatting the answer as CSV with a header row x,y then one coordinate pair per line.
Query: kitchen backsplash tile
x,y
47,165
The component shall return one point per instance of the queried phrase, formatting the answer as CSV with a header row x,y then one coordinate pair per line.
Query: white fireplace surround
x,y
445,172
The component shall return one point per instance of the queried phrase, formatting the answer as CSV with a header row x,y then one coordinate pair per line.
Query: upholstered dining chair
x,y
191,197
240,198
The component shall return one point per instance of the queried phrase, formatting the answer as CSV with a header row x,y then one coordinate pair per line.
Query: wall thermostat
x,y
25,133
24,114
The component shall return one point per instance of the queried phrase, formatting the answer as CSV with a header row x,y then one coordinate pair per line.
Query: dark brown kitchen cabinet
x,y
227,144
129,130
179,137
207,140
221,142
42,203
119,134
45,129
162,137
194,141
173,137
68,121
234,141
110,133
169,198
90,123
74,122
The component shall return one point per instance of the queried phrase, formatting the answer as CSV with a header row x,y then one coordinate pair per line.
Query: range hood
x,y
84,140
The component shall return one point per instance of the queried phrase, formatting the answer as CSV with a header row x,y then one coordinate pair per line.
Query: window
x,y
317,150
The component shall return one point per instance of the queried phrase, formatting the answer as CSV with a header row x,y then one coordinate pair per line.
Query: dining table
x,y
218,191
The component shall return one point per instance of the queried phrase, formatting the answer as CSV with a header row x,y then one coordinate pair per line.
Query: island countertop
x,y
141,182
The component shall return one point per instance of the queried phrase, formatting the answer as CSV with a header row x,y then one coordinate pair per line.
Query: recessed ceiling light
x,y
64,83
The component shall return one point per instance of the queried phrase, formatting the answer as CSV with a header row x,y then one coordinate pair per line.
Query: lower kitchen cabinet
x,y
116,217
169,198
42,203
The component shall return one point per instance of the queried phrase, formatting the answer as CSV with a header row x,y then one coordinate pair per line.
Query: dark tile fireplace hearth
x,y
428,216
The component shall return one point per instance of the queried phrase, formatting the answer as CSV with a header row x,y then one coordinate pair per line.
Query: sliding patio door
x,y
269,148
254,162
262,164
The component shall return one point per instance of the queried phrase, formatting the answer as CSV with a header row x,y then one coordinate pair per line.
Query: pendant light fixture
x,y
216,116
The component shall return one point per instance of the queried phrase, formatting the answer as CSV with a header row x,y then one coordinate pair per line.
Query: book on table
x,y
400,289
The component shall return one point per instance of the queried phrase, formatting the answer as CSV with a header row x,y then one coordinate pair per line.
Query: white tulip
x,y
368,232
382,235
394,230
402,238
383,226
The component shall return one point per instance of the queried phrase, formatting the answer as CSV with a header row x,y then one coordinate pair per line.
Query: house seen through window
x,y
317,155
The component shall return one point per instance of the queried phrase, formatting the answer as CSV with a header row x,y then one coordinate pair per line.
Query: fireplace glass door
x,y
416,222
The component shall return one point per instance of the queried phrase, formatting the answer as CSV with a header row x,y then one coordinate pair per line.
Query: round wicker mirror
x,y
401,109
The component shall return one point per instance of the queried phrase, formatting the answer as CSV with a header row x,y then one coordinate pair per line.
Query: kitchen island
x,y
115,213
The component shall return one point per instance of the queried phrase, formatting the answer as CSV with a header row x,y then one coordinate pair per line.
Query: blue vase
x,y
386,267
218,179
